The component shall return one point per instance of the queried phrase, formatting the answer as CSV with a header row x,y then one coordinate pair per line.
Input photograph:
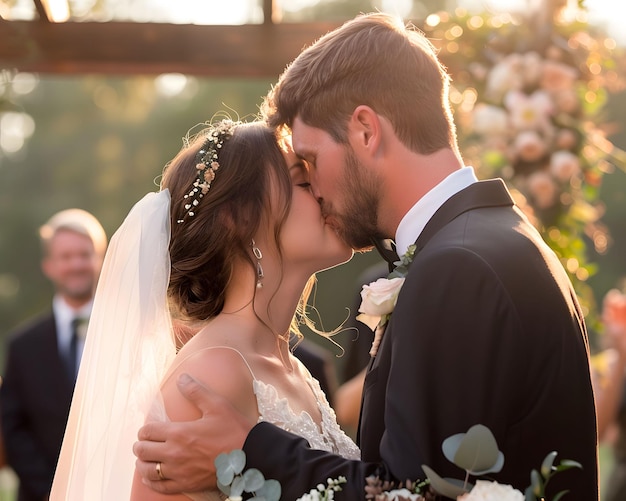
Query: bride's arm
x,y
224,372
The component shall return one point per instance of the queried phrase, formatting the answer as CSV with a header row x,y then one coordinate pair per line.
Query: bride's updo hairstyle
x,y
212,227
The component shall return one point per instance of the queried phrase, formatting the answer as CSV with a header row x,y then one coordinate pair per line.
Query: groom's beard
x,y
358,220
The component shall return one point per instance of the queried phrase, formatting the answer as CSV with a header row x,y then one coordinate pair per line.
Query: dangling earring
x,y
259,268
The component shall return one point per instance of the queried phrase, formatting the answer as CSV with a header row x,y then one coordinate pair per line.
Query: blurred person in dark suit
x,y
610,391
43,354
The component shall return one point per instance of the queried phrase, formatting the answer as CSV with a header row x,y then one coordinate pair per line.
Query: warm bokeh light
x,y
607,13
15,129
58,10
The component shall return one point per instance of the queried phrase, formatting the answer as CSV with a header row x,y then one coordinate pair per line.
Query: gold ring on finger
x,y
160,471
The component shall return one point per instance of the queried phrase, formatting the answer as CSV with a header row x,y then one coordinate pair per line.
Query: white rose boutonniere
x,y
379,298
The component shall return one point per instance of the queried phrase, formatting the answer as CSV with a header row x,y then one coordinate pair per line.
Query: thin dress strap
x,y
178,363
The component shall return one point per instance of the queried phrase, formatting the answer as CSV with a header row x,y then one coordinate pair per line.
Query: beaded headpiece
x,y
207,164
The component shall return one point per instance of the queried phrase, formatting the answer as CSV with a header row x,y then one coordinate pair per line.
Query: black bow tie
x,y
387,249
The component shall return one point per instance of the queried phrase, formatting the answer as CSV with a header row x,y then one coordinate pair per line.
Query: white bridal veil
x,y
128,349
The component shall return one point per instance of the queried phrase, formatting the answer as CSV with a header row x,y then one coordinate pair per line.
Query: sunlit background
x,y
609,13
16,126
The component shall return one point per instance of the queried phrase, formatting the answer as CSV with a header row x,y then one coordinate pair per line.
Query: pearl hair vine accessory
x,y
207,164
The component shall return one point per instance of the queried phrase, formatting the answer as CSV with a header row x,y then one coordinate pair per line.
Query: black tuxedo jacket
x,y
35,398
487,329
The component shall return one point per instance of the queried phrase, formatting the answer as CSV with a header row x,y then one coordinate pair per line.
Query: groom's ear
x,y
364,130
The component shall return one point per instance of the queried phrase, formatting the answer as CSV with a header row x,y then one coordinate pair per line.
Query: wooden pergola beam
x,y
124,48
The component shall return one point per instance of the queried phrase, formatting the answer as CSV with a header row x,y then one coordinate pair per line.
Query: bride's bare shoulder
x,y
225,369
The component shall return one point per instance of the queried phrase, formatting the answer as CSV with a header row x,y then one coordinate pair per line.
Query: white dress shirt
x,y
414,221
63,315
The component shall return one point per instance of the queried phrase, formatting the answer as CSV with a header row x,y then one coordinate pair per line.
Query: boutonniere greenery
x,y
378,299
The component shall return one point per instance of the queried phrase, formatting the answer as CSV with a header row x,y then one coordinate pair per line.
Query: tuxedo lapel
x,y
490,193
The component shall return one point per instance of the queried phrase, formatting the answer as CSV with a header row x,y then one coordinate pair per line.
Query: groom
x,y
487,328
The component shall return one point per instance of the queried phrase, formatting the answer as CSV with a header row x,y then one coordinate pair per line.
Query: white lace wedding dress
x,y
275,409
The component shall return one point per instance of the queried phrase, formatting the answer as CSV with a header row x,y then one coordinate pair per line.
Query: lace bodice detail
x,y
328,436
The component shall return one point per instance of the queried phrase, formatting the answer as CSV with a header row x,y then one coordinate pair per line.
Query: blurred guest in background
x,y
610,391
43,355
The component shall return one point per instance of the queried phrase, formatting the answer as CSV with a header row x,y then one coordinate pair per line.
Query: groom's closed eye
x,y
300,175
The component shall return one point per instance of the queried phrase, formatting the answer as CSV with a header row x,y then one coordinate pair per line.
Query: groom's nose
x,y
317,195
314,185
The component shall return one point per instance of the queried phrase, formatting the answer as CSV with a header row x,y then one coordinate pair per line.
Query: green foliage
x,y
229,465
477,453
539,479
401,268
233,481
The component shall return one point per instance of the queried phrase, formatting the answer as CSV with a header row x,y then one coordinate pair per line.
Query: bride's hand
x,y
187,450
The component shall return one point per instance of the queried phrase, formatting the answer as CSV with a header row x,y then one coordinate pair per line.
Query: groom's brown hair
x,y
373,60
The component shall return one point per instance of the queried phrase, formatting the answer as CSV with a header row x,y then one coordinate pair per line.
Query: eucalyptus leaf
x,y
238,486
253,480
229,464
475,451
448,487
224,473
451,444
270,490
237,460
224,488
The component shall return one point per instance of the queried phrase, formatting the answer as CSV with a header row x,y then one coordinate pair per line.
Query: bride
x,y
224,256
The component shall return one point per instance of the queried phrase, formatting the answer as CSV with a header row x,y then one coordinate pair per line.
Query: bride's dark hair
x,y
204,248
